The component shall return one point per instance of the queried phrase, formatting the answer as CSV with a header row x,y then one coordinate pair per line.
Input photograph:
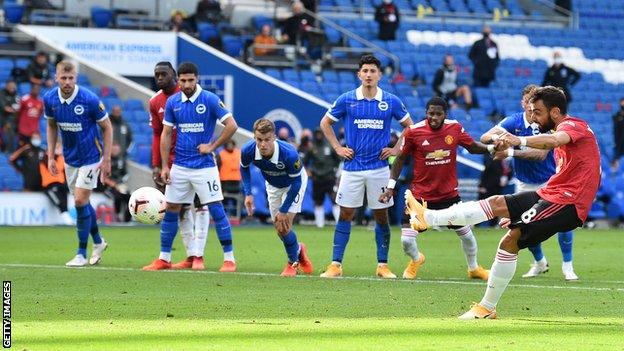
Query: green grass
x,y
115,306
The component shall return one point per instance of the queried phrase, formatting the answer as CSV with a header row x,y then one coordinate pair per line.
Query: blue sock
x,y
222,225
537,252
95,231
292,246
168,230
341,238
382,238
565,243
83,223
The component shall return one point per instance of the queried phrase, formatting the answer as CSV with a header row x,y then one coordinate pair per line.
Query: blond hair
x,y
264,126
65,67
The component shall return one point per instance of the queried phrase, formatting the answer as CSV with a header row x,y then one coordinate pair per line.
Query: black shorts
x,y
320,188
438,205
539,219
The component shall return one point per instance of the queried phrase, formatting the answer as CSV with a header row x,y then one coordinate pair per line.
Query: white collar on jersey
x,y
527,124
360,95
275,158
198,90
69,99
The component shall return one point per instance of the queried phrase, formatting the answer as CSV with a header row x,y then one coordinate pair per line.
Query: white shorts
x,y
186,182
353,185
276,196
83,177
522,186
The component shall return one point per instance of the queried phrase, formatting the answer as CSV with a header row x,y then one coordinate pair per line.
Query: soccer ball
x,y
147,205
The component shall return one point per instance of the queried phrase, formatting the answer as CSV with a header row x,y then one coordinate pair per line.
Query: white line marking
x,y
419,281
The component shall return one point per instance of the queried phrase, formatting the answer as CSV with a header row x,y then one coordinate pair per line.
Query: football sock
x,y
187,223
462,214
291,246
202,221
168,230
336,212
94,230
503,269
229,256
222,225
382,239
341,238
319,216
536,250
408,240
469,245
83,223
565,243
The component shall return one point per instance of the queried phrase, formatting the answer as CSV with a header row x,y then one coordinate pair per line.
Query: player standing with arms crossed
x,y
194,113
78,113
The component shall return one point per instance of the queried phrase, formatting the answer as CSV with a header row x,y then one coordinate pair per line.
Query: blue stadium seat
x,y
13,13
330,77
207,31
110,102
101,17
260,20
232,45
133,104
274,72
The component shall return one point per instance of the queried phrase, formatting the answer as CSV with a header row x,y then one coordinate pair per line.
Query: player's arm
x,y
328,130
157,127
52,134
492,135
529,153
282,221
165,146
395,171
245,170
107,136
229,129
542,141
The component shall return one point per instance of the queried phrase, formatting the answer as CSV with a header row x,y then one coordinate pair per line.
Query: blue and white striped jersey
x,y
77,118
281,169
194,118
367,125
531,172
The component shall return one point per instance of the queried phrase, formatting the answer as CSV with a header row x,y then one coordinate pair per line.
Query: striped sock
x,y
469,246
503,269
408,240
465,213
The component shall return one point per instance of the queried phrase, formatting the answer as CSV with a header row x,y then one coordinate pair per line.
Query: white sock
x,y
229,256
543,262
186,230
567,266
165,256
336,263
503,269
465,213
469,245
408,239
319,216
336,212
202,221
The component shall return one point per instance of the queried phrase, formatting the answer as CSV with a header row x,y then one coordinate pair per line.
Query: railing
x,y
278,55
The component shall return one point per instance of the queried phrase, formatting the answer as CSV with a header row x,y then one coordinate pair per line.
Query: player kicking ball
x,y
561,205
432,144
286,182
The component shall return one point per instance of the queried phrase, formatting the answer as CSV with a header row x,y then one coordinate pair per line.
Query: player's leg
x,y
539,265
187,223
376,181
565,244
410,247
202,222
470,249
350,196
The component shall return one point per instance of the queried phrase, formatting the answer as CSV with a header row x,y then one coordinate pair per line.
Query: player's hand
x,y
500,154
509,140
345,152
282,224
249,205
165,175
52,166
504,222
156,176
205,148
387,152
105,169
386,196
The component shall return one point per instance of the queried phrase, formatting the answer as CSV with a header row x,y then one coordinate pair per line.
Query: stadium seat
x,y
13,12
232,46
133,104
207,31
101,17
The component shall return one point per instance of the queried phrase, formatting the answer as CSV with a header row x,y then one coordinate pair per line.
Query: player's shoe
x,y
228,267
569,275
77,261
416,211
187,263
96,253
384,271
478,312
198,263
535,270
157,265
411,271
332,271
290,270
479,273
305,264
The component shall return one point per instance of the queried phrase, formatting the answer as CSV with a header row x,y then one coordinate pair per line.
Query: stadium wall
x,y
36,209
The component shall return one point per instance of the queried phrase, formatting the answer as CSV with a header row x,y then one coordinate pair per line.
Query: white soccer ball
x,y
147,205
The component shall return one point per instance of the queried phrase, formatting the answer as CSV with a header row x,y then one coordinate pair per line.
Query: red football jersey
x,y
31,110
157,114
577,176
434,153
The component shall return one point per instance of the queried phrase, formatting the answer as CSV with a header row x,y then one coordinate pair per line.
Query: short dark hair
x,y
369,59
551,97
188,67
437,101
529,89
264,126
167,64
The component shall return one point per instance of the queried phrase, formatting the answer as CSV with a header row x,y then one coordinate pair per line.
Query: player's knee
x,y
346,214
281,232
498,205
509,242
216,211
173,207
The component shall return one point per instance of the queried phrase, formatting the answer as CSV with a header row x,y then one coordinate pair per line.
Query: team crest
x,y
449,139
383,106
201,108
297,164
79,110
101,106
280,165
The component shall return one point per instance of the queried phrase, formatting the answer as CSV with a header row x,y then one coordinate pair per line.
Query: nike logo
x,y
352,105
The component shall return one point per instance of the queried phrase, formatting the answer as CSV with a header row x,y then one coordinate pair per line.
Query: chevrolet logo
x,y
438,154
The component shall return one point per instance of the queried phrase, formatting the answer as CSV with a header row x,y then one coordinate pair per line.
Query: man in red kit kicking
x,y
561,205
432,144
193,224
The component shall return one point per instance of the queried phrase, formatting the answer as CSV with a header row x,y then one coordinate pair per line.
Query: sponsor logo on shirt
x,y
191,127
79,110
438,157
70,127
274,173
363,123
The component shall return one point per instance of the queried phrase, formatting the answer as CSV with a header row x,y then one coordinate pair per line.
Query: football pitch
x,y
116,306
